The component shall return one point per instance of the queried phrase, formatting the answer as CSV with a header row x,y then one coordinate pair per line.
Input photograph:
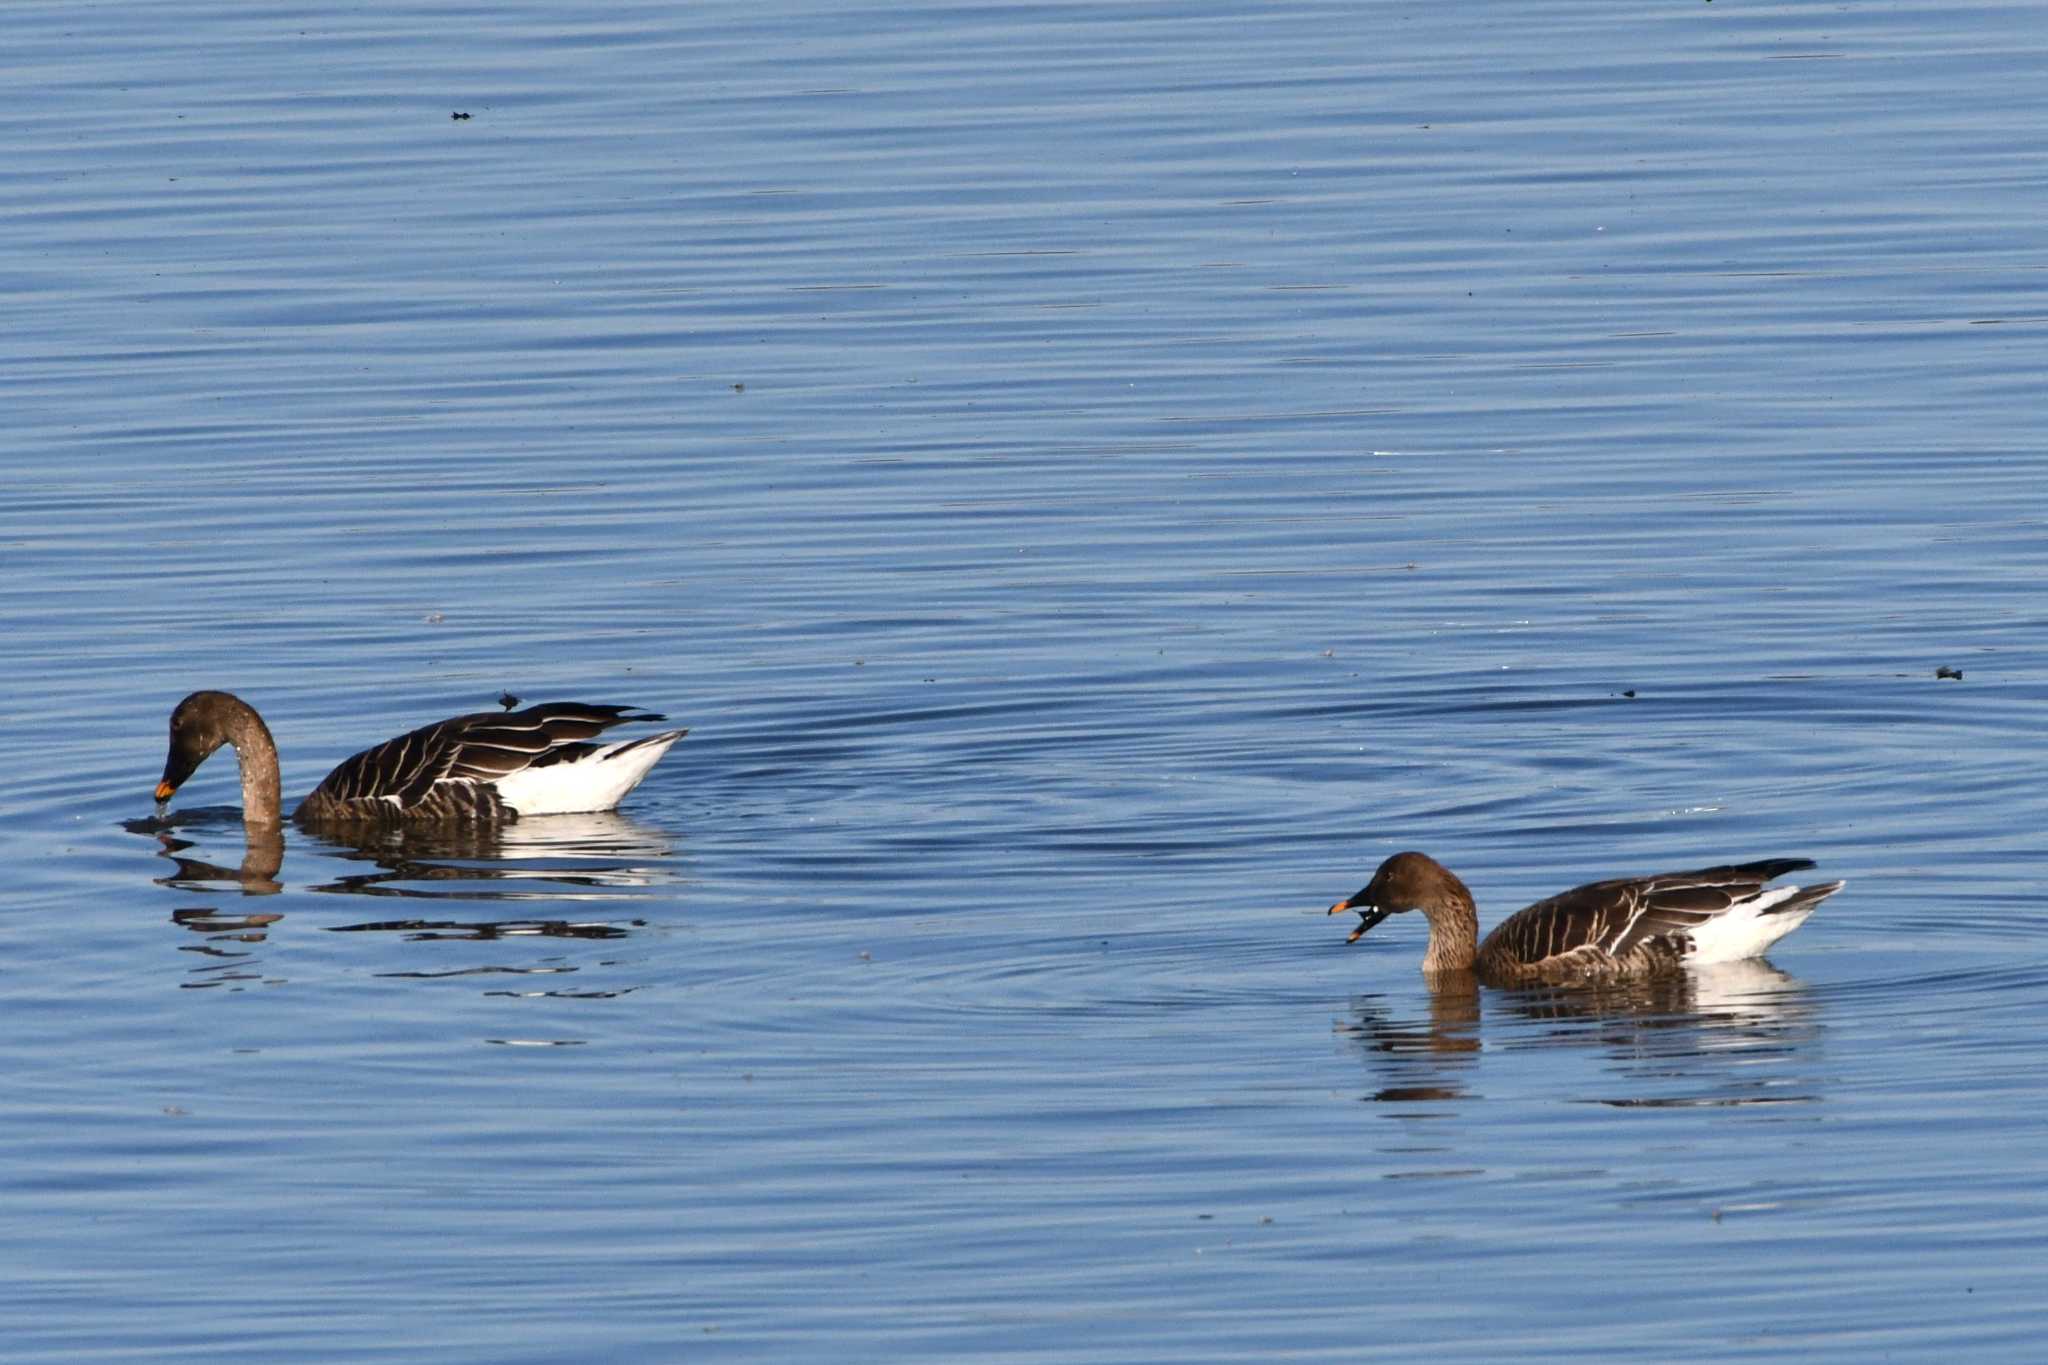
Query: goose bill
x,y
1368,916
180,763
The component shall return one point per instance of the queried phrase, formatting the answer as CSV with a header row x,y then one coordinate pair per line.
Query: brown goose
x,y
487,766
1606,931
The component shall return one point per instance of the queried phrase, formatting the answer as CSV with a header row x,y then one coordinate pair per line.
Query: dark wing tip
x,y
1768,868
592,712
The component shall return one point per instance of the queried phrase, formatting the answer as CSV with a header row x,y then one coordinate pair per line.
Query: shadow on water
x,y
1686,1041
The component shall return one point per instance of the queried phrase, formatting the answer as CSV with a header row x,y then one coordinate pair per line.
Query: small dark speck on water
x,y
1630,694
1946,672
507,700
458,116
739,388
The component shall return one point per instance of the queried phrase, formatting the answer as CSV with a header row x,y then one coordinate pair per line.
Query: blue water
x,y
1094,479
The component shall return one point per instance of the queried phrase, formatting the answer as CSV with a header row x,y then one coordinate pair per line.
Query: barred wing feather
x,y
455,767
1621,915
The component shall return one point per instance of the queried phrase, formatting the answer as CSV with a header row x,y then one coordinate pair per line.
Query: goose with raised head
x,y
1627,928
486,766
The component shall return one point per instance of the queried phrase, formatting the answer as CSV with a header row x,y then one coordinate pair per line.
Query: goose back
x,y
1641,925
450,770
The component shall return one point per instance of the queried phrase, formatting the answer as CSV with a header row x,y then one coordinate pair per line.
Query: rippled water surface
x,y
1094,479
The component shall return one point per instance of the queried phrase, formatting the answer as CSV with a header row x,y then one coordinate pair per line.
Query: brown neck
x,y
256,751
1453,934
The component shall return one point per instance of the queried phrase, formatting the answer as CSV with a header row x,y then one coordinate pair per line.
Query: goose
x,y
483,767
1625,929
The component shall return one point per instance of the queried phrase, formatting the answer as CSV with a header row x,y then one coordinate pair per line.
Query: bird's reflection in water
x,y
1690,1039
536,862
228,960
543,860
551,857
547,859
1421,1060
1734,1034
262,856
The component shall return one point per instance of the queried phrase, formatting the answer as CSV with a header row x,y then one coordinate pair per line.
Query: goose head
x,y
199,726
1406,881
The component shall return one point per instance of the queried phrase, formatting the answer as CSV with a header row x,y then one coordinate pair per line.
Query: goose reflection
x,y
1733,1035
262,856
1421,1060
550,858
596,857
1689,1039
227,955
546,857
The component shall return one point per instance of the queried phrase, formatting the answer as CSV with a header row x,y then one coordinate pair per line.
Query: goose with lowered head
x,y
483,767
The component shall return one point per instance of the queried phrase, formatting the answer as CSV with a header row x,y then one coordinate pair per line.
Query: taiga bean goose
x,y
1607,931
487,766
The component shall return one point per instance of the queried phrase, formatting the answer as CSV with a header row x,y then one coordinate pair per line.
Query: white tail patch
x,y
597,781
1747,928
